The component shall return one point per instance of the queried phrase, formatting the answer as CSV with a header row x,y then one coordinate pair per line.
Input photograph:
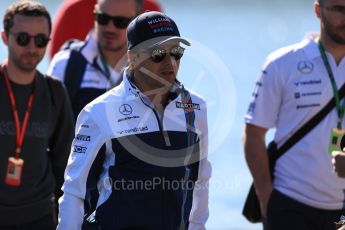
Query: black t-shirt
x,y
41,169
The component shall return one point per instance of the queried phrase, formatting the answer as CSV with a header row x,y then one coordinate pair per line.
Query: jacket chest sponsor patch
x,y
134,130
128,118
125,109
182,105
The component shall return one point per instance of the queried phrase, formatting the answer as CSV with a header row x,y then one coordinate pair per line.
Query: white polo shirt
x,y
294,85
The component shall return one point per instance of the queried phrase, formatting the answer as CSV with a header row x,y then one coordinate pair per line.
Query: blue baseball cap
x,y
151,29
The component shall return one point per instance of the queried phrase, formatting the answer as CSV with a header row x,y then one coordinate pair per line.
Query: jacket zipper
x,y
165,140
164,134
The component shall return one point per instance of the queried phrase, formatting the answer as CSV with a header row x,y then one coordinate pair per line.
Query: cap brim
x,y
159,41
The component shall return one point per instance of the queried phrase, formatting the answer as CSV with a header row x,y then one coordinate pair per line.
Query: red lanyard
x,y
20,131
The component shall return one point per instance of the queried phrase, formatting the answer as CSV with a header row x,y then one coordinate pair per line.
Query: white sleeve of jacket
x,y
86,144
58,65
199,213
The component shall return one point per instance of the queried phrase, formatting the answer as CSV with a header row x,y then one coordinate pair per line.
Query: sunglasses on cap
x,y
158,54
118,21
24,38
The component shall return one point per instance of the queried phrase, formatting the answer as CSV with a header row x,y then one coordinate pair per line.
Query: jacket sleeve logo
x,y
79,149
80,137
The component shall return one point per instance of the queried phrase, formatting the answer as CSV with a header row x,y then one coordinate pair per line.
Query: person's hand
x,y
342,228
341,224
264,198
338,162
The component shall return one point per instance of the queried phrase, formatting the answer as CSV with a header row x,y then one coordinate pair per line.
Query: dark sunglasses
x,y
159,54
336,9
118,21
24,38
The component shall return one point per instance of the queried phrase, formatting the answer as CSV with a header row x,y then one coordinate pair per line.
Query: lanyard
x,y
20,131
340,109
105,71
105,65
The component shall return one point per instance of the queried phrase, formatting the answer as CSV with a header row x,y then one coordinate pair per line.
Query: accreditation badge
x,y
337,140
14,171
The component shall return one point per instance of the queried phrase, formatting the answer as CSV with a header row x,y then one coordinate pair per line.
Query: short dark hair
x,y
25,8
139,9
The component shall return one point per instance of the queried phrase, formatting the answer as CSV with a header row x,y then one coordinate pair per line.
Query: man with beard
x,y
74,20
36,123
101,57
295,84
143,143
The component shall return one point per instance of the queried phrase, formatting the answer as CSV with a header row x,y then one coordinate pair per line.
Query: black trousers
x,y
286,213
44,223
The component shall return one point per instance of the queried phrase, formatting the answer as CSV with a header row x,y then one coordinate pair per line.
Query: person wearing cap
x,y
89,68
142,145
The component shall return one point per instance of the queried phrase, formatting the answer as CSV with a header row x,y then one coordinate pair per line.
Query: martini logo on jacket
x,y
182,105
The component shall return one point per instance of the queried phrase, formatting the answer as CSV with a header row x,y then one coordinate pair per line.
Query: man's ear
x,y
317,8
4,37
133,57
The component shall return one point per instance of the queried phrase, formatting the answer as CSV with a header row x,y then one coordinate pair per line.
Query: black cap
x,y
152,28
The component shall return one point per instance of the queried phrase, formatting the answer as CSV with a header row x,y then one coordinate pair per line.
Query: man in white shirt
x,y
294,86
92,67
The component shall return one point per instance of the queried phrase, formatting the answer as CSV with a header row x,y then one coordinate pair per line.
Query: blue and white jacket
x,y
151,170
95,80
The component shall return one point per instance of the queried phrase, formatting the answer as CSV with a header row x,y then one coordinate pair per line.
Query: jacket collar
x,y
90,49
132,89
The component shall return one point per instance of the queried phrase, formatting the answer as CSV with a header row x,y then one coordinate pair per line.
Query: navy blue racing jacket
x,y
150,169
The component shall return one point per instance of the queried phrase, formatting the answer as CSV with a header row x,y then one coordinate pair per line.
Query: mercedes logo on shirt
x,y
305,67
125,109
